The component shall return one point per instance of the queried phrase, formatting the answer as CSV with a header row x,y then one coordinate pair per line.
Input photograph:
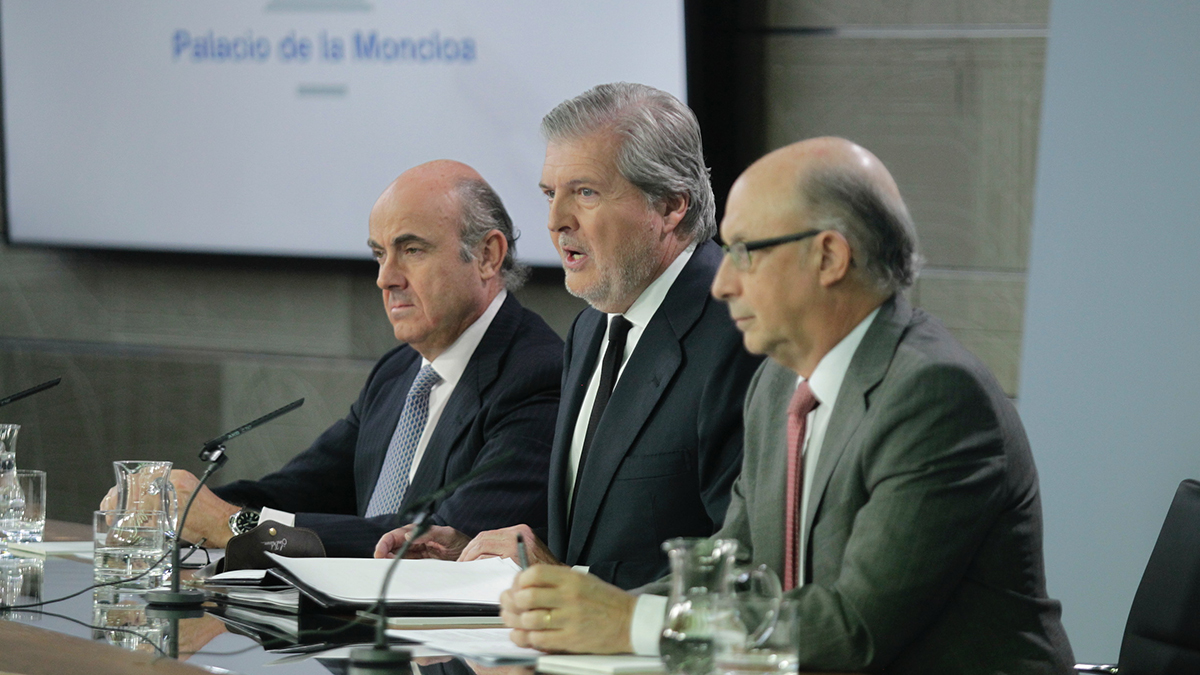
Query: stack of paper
x,y
492,647
417,588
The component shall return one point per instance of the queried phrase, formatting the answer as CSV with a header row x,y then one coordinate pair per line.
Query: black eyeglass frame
x,y
742,249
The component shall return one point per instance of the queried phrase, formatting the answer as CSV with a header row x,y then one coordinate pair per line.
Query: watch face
x,y
244,521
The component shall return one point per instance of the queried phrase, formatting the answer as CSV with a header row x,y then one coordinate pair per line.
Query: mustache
x,y
568,241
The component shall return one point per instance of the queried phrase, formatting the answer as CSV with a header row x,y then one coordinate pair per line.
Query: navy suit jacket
x,y
507,398
669,445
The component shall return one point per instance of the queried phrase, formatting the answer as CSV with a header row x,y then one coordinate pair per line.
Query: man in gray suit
x,y
886,476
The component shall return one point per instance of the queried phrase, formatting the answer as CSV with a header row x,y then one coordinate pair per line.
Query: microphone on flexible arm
x,y
29,392
213,452
380,657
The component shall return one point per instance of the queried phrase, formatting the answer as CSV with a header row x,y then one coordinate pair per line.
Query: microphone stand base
x,y
186,598
376,660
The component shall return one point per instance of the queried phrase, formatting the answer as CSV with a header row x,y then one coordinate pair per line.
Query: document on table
x,y
437,586
489,646
82,549
587,664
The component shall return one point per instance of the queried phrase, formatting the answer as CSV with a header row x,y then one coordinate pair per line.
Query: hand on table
x,y
441,542
503,544
557,609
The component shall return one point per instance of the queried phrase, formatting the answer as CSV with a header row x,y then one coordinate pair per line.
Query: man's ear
x,y
673,209
836,256
489,255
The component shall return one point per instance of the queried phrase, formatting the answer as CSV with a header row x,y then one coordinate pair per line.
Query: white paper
x,y
237,576
486,645
583,664
357,580
79,548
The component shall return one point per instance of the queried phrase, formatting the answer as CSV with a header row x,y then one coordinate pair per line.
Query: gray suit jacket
x,y
924,525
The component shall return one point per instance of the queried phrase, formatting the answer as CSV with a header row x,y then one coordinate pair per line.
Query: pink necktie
x,y
802,403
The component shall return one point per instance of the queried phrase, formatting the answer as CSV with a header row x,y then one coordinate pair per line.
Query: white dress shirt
x,y
826,383
450,365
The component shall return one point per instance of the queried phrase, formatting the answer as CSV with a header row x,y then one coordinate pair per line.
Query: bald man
x,y
886,478
477,376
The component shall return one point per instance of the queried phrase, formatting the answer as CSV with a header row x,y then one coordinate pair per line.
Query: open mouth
x,y
573,257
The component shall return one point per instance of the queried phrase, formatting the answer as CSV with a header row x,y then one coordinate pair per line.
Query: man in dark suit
x,y
478,376
887,478
648,438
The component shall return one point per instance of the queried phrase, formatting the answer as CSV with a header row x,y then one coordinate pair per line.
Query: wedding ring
x,y
546,619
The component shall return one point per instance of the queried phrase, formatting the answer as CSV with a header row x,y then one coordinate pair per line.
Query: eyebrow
x,y
571,183
401,240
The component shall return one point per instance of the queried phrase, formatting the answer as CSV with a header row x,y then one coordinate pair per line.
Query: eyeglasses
x,y
739,251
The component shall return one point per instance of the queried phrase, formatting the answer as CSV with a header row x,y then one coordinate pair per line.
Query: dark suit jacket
x,y
507,398
924,526
670,442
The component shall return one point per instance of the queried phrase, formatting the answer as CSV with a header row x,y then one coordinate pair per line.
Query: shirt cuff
x,y
647,624
281,517
581,568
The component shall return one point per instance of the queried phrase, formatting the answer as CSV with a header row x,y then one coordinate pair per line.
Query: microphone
x,y
29,392
214,452
210,447
380,657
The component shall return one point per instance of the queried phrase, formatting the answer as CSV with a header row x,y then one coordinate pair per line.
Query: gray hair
x,y
481,212
880,231
661,150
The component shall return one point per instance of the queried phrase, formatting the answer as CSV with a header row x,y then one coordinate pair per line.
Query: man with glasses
x,y
887,478
649,433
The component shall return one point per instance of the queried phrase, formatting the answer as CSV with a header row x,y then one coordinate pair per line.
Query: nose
x,y
727,283
561,217
390,275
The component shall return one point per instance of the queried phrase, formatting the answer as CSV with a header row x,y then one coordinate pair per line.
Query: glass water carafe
x,y
699,568
12,501
145,486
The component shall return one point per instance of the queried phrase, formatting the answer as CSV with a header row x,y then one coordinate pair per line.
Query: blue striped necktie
x,y
393,477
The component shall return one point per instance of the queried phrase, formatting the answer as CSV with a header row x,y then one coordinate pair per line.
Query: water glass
x,y
27,523
752,639
128,543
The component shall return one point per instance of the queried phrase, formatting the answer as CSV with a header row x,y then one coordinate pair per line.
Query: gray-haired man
x,y
649,432
887,477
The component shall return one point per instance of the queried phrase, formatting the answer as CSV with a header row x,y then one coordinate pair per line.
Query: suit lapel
x,y
866,371
584,350
465,402
645,378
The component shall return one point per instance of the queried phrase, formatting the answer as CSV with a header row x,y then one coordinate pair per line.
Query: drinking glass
x,y
128,543
27,523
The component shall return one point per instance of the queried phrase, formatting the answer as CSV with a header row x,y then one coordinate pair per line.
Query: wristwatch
x,y
243,521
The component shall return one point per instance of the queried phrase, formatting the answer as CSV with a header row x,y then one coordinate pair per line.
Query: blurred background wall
x,y
161,352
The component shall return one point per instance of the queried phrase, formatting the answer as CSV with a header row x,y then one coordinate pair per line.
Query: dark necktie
x,y
618,330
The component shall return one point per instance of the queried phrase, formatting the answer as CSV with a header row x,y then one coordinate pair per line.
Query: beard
x,y
621,279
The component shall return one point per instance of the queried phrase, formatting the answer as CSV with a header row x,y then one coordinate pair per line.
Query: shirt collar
x,y
826,379
643,309
451,363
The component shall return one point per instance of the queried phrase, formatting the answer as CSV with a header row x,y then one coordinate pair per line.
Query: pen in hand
x,y
521,555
